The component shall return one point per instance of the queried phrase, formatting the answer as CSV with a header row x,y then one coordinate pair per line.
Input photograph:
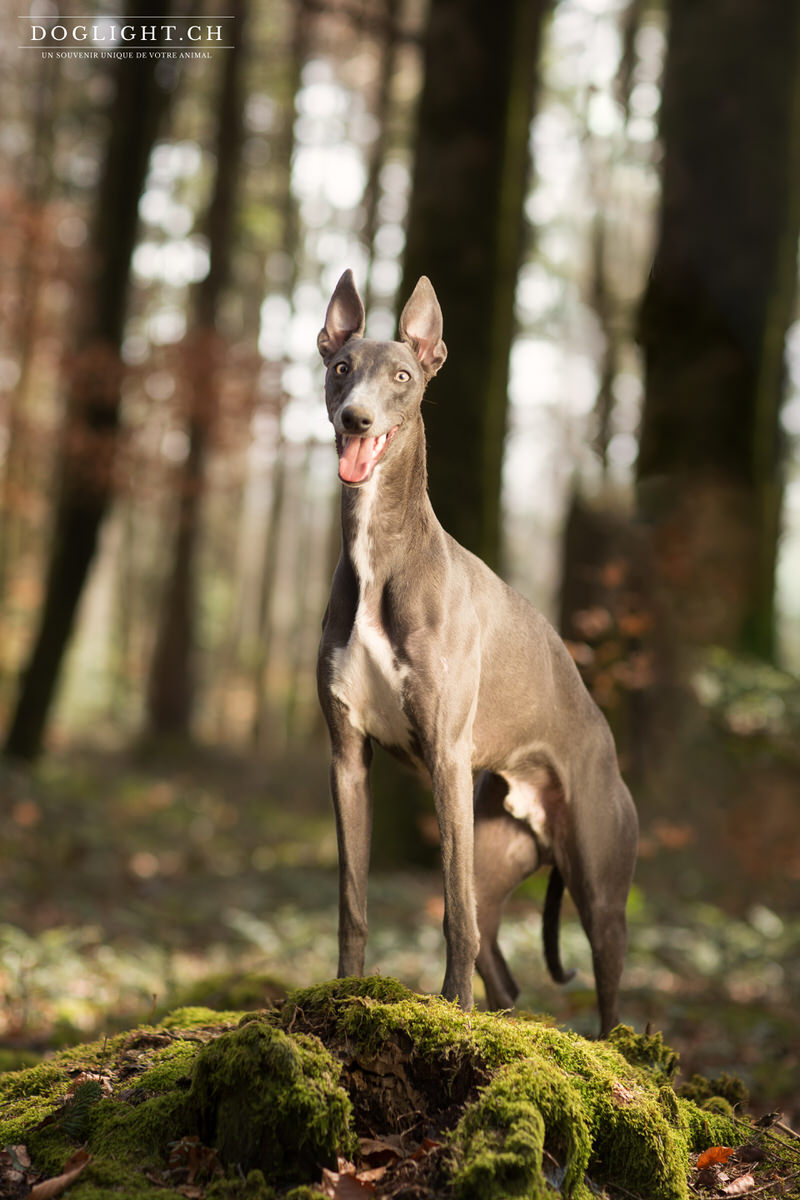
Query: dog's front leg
x,y
452,791
352,802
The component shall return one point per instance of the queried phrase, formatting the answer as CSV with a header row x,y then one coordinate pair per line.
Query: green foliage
x,y
75,1122
749,696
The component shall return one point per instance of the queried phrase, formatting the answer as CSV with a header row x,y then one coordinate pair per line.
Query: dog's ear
x,y
343,320
421,327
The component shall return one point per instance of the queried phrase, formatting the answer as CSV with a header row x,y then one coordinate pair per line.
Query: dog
x,y
427,652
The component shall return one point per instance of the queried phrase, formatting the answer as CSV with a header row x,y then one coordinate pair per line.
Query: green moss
x,y
502,1137
602,1107
192,1016
137,1131
539,1111
646,1050
369,1011
637,1146
27,1097
253,1187
726,1087
271,1102
172,1063
704,1128
106,1178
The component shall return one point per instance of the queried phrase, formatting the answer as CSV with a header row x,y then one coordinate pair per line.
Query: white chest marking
x,y
360,545
368,679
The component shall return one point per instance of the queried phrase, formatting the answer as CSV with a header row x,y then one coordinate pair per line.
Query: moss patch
x,y
272,1102
544,1107
523,1109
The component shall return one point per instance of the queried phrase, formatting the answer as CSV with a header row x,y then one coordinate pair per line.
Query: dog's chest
x,y
367,677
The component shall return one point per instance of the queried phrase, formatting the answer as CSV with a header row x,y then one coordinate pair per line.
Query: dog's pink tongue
x,y
356,458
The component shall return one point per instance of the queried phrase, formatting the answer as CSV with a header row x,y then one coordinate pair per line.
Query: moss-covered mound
x,y
247,1105
264,1099
544,1108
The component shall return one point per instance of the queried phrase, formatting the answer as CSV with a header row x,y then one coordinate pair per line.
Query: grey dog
x,y
429,653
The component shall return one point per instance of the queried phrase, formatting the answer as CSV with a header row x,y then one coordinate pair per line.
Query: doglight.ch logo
x,y
127,37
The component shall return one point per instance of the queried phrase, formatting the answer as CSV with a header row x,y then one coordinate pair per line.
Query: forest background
x,y
606,195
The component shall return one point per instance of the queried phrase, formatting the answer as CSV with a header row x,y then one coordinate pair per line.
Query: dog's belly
x,y
368,679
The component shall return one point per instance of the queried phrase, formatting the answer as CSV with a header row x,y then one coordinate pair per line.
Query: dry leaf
x,y
54,1187
381,1150
345,1186
716,1154
428,1144
90,1077
620,1093
740,1186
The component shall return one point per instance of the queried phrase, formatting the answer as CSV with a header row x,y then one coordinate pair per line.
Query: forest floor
x,y
132,885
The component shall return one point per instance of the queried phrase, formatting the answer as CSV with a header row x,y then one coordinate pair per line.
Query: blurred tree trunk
x,y
92,411
376,158
35,196
171,688
290,243
465,231
715,314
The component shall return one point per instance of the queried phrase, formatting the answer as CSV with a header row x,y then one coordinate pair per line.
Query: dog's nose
x,y
356,419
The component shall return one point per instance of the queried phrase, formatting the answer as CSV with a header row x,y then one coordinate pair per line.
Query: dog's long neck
x,y
389,519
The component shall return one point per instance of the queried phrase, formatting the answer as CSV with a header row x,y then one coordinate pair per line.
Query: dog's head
x,y
372,389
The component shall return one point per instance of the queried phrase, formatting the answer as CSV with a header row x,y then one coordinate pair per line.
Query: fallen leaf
x,y
104,1082
372,1174
344,1186
54,1187
428,1144
620,1093
710,1178
740,1186
381,1150
19,1155
716,1154
751,1152
14,1162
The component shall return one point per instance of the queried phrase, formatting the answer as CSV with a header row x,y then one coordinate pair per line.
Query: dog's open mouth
x,y
359,456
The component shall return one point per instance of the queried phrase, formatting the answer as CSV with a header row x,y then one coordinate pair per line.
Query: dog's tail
x,y
550,922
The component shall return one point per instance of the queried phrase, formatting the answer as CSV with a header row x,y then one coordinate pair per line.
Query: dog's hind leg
x,y
599,879
505,854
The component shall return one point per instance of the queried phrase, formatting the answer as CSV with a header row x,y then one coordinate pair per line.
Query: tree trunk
x,y
715,314
290,240
465,231
90,436
36,193
171,686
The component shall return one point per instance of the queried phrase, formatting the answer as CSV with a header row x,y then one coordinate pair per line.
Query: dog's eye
x,y
403,376
341,368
